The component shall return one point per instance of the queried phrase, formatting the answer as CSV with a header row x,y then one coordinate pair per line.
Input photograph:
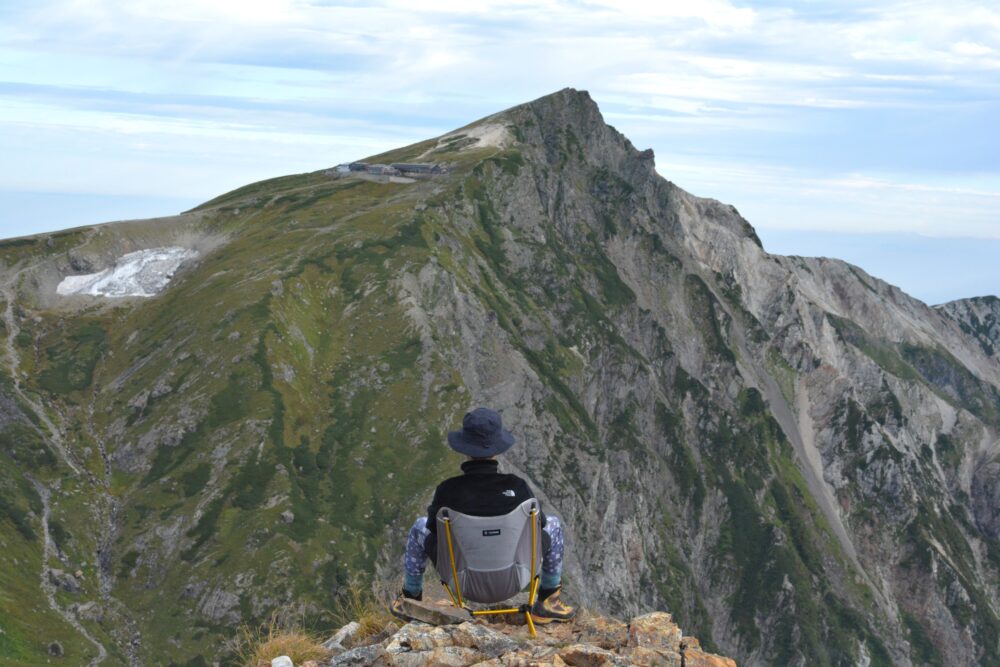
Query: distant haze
x,y
934,270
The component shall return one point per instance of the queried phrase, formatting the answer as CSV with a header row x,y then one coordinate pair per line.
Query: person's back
x,y
482,490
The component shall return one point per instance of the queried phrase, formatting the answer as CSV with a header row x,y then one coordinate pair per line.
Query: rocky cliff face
x,y
797,460
977,317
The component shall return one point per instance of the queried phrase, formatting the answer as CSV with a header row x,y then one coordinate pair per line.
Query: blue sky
x,y
861,130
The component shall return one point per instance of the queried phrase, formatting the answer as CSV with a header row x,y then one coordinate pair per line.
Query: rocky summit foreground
x,y
795,459
650,640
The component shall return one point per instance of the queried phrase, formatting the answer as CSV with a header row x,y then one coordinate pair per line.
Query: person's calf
x,y
415,560
413,589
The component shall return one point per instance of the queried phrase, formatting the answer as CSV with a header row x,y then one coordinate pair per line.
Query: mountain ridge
x,y
797,460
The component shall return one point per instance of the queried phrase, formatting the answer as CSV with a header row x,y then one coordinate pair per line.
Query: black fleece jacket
x,y
482,490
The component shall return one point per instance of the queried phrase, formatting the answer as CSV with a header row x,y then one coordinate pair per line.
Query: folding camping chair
x,y
490,559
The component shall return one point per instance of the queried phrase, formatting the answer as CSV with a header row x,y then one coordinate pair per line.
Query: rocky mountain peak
x,y
578,162
565,110
797,461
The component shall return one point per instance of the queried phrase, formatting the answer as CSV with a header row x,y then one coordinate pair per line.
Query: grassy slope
x,y
27,624
314,399
297,383
317,425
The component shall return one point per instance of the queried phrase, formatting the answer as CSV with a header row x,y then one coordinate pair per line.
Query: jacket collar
x,y
480,467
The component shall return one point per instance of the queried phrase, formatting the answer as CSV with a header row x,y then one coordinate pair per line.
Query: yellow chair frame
x,y
456,596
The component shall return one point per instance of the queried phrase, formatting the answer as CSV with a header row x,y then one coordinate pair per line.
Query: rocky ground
x,y
592,641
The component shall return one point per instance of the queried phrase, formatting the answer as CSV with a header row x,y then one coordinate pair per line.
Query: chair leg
x,y
450,594
526,608
533,590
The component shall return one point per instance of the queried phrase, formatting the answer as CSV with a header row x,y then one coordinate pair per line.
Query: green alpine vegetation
x,y
796,460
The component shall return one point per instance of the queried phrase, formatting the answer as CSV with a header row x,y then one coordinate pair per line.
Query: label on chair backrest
x,y
491,533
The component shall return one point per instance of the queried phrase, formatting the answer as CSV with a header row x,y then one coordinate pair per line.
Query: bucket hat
x,y
482,435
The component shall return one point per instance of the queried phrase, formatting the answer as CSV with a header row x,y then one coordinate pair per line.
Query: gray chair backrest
x,y
492,553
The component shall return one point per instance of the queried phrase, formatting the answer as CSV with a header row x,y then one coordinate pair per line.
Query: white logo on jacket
x,y
509,492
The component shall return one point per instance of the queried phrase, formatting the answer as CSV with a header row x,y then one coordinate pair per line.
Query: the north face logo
x,y
509,492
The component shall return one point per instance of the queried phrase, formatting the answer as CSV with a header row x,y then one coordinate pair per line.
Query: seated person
x,y
482,490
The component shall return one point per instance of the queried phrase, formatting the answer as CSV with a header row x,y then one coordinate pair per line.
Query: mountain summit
x,y
795,459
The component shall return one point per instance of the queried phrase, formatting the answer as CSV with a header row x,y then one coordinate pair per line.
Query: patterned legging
x,y
415,560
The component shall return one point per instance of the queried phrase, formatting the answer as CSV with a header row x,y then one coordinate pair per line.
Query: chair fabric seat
x,y
493,554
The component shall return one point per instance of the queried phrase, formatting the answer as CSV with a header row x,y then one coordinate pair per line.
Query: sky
x,y
861,130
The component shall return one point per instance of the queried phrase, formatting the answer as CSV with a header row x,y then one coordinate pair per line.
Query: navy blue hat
x,y
482,435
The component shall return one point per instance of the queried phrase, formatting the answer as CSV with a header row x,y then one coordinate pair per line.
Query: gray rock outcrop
x,y
795,458
650,640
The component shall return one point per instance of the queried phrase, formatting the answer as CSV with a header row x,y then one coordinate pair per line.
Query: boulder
x,y
362,656
444,656
418,636
342,639
220,605
64,581
587,655
89,611
643,656
484,639
601,631
655,630
695,657
434,613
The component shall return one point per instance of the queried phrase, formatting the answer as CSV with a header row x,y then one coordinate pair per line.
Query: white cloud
x,y
972,49
714,13
778,56
861,182
787,199
934,35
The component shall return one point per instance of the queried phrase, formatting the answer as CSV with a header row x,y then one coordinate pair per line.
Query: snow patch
x,y
139,273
